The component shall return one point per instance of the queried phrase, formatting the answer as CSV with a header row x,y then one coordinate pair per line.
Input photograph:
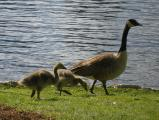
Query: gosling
x,y
37,81
65,77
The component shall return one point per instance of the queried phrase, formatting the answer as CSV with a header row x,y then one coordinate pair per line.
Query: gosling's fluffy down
x,y
65,77
37,81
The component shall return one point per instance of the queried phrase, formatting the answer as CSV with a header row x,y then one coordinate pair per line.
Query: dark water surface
x,y
39,33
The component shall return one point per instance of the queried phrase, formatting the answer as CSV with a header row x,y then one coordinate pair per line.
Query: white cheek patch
x,y
130,24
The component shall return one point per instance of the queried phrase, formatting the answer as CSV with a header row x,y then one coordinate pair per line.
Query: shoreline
x,y
11,83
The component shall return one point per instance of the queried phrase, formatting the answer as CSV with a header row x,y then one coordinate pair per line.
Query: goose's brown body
x,y
106,66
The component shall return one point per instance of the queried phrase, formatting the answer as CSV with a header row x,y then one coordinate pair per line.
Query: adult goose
x,y
108,65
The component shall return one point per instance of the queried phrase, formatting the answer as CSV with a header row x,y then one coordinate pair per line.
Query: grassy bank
x,y
122,104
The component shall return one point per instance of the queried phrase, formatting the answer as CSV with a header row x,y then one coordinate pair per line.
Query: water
x,y
38,34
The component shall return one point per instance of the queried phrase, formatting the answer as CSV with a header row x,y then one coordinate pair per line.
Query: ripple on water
x,y
38,34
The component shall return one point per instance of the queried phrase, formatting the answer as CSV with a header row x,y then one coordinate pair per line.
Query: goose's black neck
x,y
124,38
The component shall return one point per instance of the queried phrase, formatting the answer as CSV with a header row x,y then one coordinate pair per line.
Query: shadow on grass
x,y
90,95
48,99
10,93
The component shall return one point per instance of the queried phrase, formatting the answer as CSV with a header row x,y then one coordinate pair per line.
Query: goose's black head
x,y
132,23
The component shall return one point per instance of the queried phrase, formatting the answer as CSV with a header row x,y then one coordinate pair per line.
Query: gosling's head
x,y
59,66
132,23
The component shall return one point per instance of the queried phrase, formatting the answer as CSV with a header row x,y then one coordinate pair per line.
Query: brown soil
x,y
8,113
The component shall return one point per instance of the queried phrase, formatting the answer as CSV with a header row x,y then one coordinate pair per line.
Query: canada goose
x,y
108,65
37,81
65,77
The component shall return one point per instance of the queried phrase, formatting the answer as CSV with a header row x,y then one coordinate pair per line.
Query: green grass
x,y
122,104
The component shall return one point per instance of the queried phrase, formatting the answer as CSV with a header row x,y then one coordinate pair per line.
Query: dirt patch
x,y
9,113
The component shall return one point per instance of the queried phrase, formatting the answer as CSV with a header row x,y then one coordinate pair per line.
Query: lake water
x,y
39,33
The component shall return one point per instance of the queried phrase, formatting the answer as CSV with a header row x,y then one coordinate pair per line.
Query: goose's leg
x,y
92,88
105,88
33,93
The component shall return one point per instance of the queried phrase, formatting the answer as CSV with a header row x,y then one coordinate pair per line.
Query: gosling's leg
x,y
105,88
60,92
92,88
84,84
38,93
33,93
59,88
65,91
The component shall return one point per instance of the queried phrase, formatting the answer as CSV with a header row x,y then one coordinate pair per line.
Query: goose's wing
x,y
93,65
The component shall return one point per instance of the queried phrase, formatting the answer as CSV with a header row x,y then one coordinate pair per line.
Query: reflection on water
x,y
38,34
